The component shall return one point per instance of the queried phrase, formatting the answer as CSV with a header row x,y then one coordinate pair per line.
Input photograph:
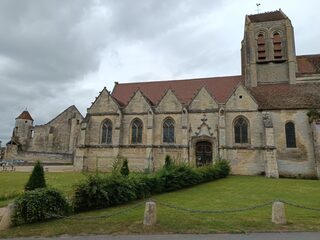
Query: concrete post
x,y
6,219
150,214
278,213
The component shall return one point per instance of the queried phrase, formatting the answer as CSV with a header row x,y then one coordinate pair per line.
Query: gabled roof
x,y
71,108
287,96
219,87
267,16
308,64
25,115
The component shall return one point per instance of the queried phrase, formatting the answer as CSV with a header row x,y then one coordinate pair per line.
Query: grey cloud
x,y
48,48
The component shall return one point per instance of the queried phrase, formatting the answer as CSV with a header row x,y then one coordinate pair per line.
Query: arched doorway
x,y
203,153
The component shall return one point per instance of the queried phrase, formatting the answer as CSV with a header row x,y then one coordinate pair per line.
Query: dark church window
x,y
277,48
241,130
107,132
136,131
261,47
290,135
168,130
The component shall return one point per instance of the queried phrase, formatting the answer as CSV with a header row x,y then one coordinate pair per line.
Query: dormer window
x,y
261,43
277,48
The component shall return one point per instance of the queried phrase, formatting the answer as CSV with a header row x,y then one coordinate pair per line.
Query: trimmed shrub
x,y
102,191
36,179
178,177
223,167
125,169
39,205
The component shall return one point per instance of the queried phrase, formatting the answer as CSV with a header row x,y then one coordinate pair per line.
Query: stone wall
x,y
297,161
59,135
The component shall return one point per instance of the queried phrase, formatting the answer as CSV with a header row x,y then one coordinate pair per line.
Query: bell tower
x,y
267,49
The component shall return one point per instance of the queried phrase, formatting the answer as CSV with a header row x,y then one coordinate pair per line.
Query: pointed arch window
x,y
168,130
290,135
136,131
106,132
277,48
261,47
241,130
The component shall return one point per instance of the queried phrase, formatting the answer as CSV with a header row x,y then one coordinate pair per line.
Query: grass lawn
x,y
12,183
232,192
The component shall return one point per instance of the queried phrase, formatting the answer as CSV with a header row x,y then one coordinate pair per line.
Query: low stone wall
x,y
46,158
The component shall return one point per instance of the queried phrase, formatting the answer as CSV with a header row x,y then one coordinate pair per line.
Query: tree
x,y
36,179
124,169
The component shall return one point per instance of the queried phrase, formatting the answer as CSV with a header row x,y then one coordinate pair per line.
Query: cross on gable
x,y
204,119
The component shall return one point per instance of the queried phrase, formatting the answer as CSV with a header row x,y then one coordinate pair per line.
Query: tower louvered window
x,y
107,132
290,135
168,131
241,131
277,48
136,131
261,47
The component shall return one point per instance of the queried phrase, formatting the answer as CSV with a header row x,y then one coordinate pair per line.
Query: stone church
x,y
265,121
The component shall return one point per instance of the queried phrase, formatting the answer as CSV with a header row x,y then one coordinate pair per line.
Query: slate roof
x,y
308,64
185,90
286,96
25,115
267,16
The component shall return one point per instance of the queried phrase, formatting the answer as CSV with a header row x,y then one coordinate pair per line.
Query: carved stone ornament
x,y
204,128
267,120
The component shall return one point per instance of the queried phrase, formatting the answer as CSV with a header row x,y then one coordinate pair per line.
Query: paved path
x,y
252,236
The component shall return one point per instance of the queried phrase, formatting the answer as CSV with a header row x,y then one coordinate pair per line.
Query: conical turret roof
x,y
25,115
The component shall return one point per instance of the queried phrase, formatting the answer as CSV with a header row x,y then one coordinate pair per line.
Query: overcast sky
x,y
54,54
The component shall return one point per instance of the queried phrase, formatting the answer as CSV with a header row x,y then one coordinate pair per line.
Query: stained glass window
x,y
107,132
290,135
136,131
168,131
241,130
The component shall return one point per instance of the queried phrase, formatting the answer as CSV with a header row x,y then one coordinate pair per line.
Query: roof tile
x,y
308,64
25,115
287,96
219,87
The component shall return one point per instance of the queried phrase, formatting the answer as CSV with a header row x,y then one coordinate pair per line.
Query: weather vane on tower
x,y
258,5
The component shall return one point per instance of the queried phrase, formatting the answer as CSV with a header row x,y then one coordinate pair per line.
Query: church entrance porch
x,y
203,153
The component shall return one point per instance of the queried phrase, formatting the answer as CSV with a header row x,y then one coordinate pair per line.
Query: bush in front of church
x,y
101,191
39,205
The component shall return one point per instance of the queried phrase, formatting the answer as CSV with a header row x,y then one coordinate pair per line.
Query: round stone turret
x,y
23,128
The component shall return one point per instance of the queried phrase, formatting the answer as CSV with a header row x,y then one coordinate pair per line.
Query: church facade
x,y
265,121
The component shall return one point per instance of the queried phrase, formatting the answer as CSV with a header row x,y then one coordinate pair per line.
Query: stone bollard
x,y
150,214
6,220
278,213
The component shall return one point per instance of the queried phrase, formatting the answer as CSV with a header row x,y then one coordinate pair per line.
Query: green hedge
x,y
102,191
38,205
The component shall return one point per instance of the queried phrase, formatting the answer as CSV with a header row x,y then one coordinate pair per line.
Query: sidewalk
x,y
251,236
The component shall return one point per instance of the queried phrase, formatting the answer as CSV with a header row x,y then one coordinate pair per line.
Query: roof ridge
x,y
174,80
309,55
279,10
61,113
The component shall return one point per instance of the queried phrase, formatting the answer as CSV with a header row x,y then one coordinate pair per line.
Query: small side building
x,y
52,143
